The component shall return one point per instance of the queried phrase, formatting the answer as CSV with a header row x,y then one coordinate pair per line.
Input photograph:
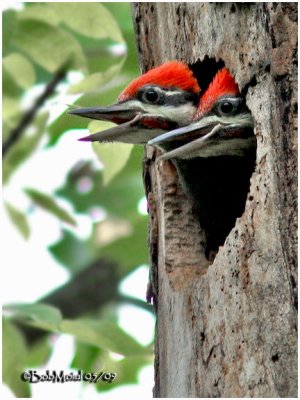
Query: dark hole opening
x,y
218,184
205,70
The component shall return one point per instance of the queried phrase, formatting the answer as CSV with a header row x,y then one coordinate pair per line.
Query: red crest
x,y
173,74
222,84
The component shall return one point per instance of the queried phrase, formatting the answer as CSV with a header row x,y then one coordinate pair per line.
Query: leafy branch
x,y
28,117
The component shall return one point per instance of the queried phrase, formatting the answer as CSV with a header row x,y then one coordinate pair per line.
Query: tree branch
x,y
28,117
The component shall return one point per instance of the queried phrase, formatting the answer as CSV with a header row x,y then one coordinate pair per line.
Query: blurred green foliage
x,y
98,41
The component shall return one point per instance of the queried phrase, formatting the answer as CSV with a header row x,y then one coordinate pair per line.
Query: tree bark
x,y
228,328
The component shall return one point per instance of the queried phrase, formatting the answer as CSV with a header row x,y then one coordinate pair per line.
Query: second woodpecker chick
x,y
215,158
164,98
223,125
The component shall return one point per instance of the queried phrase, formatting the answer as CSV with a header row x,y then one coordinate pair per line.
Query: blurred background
x,y
74,215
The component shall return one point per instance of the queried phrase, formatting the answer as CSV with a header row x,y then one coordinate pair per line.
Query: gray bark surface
x,y
228,329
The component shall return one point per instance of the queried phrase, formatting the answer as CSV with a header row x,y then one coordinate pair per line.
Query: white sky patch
x,y
11,5
137,323
74,77
30,271
135,284
142,206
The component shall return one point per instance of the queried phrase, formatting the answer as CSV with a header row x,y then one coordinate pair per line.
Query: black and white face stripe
x,y
163,96
151,112
229,106
176,107
226,129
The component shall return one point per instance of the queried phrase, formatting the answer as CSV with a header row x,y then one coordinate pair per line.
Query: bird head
x,y
164,98
223,124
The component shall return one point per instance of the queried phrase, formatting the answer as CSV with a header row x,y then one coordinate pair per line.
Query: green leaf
x,y
104,334
114,157
93,82
18,219
10,89
86,357
97,126
120,200
13,359
122,14
49,46
10,107
39,353
89,19
5,131
20,68
49,204
128,182
90,358
38,315
24,147
66,121
100,333
129,251
40,12
75,254
8,29
127,370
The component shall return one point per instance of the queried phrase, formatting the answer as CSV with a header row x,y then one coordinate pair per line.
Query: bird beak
x,y
187,133
117,113
134,125
126,133
209,137
135,131
127,117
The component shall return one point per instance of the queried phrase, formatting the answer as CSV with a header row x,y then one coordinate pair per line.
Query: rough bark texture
x,y
228,329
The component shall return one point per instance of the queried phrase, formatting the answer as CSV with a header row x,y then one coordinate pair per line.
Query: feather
x,y
173,74
222,84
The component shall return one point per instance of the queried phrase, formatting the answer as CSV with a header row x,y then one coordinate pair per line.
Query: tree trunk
x,y
227,328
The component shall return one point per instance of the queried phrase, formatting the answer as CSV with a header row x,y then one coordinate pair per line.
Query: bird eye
x,y
226,107
151,96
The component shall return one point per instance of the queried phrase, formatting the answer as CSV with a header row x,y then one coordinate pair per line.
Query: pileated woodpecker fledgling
x,y
223,125
164,98
215,157
211,142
